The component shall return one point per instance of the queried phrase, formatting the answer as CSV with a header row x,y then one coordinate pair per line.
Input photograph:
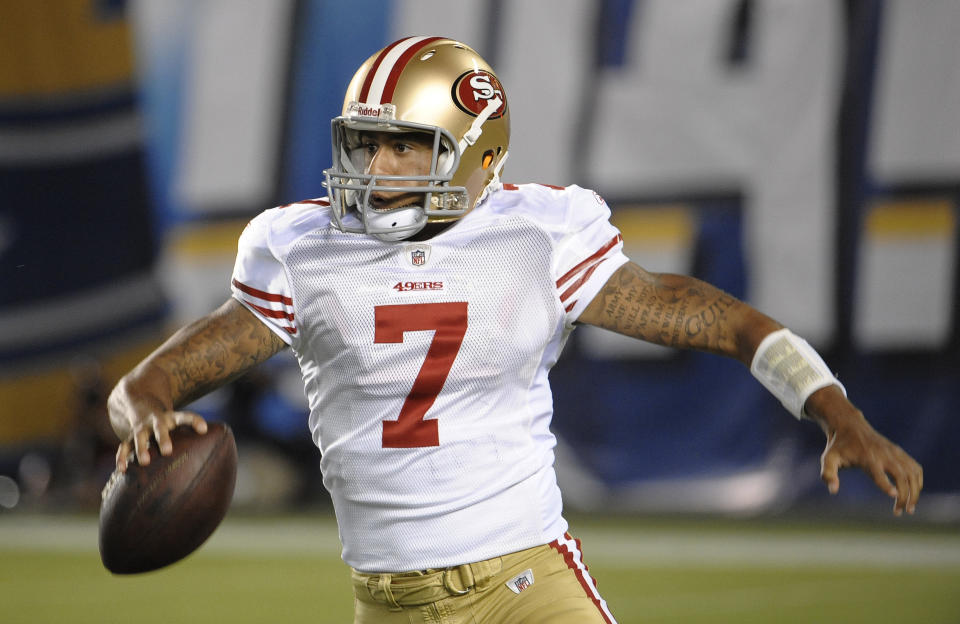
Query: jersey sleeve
x,y
589,251
260,282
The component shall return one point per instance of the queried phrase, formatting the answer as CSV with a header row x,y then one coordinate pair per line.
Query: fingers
x,y
830,472
163,427
883,482
141,445
137,447
830,464
901,494
916,483
161,431
133,447
907,478
909,482
197,422
892,470
123,452
158,428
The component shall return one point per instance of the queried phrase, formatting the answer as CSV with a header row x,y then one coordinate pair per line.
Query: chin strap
x,y
494,184
476,130
444,161
470,138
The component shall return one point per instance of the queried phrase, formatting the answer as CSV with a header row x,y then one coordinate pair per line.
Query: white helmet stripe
x,y
386,66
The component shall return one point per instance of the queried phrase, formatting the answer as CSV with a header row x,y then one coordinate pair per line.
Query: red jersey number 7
x,y
449,323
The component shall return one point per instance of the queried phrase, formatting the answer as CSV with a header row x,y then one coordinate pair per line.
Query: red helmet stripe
x,y
399,66
365,90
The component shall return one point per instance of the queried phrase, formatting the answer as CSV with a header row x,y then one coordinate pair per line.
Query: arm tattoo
x,y
670,310
215,350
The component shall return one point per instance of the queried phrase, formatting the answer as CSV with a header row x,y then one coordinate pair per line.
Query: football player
x,y
426,302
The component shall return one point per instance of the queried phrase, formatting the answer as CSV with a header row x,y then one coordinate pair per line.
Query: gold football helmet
x,y
430,85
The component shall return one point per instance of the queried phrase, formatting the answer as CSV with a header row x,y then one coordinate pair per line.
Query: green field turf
x,y
287,570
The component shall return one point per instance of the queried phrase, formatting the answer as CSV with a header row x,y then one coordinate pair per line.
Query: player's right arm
x,y
199,358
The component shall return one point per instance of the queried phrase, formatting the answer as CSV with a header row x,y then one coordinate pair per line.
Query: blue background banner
x,y
800,154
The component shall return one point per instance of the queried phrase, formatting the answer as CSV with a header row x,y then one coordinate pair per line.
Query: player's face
x,y
393,153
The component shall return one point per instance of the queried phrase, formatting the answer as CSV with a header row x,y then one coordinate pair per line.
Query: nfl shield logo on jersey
x,y
418,254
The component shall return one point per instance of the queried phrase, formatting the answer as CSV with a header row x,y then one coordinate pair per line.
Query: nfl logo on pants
x,y
521,581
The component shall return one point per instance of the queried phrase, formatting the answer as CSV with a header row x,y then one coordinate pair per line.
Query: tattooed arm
x,y
686,313
197,359
678,311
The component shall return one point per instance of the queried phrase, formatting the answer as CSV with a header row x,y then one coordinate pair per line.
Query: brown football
x,y
154,515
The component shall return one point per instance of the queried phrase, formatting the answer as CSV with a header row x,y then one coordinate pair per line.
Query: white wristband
x,y
791,370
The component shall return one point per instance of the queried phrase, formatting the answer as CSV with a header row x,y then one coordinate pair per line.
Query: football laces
x,y
115,477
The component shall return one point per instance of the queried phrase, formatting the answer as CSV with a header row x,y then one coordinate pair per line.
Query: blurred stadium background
x,y
802,154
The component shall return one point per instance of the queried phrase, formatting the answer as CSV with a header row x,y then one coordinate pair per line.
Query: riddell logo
x,y
366,111
356,109
408,286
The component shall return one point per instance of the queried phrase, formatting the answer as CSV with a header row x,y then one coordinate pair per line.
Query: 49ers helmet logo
x,y
474,89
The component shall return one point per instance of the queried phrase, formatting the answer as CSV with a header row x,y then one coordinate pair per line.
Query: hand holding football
x,y
154,515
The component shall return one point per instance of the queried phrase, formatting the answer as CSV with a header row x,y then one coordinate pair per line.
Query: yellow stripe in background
x,y
910,219
665,223
52,47
208,239
42,405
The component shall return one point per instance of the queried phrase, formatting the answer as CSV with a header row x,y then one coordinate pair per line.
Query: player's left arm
x,y
687,313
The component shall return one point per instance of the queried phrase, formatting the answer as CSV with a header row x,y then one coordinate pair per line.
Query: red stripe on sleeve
x,y
317,202
259,294
577,284
290,329
277,314
599,253
321,201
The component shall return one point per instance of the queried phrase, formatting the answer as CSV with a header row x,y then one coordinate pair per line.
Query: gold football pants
x,y
546,584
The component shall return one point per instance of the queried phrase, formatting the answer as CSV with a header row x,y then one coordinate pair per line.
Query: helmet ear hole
x,y
487,159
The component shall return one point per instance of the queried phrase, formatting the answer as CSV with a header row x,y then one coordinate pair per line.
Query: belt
x,y
408,589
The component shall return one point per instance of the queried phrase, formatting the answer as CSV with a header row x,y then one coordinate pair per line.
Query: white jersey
x,y
425,365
